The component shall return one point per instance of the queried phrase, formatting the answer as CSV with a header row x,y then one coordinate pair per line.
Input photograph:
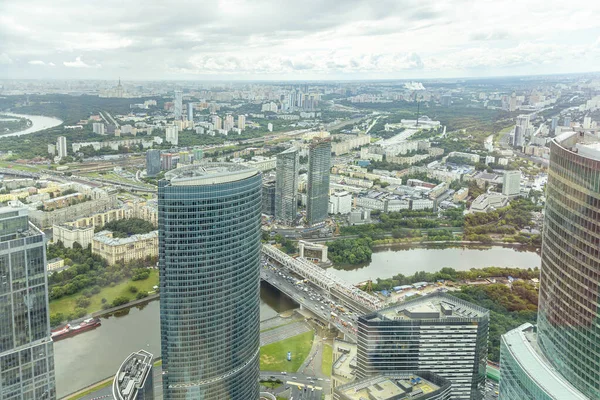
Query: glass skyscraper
x,y
568,324
319,164
152,162
286,186
209,219
26,353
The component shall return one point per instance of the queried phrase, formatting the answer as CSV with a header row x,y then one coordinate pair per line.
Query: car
x,y
294,377
283,373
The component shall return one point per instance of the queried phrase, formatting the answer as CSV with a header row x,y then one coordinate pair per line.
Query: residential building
x,y
511,183
241,122
99,128
319,164
269,197
26,349
172,134
198,154
286,186
152,162
122,250
587,122
166,161
178,105
417,385
527,373
69,235
228,123
437,333
45,219
61,146
217,122
209,337
340,203
270,127
134,380
568,313
460,195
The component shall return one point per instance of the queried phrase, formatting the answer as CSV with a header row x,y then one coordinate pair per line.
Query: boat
x,y
72,330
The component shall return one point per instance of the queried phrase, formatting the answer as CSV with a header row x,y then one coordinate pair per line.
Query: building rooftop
x,y
132,375
106,238
345,365
209,174
437,306
398,386
585,144
523,345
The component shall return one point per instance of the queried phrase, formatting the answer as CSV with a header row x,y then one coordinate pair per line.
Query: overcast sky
x,y
304,39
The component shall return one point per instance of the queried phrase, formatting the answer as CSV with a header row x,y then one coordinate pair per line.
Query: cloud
x,y
78,63
5,59
36,62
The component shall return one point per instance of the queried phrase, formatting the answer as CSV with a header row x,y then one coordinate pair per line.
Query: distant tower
x,y
119,90
190,109
286,186
61,146
178,104
319,164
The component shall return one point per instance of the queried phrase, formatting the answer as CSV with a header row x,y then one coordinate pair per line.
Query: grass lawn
x,y
273,357
327,360
66,304
270,385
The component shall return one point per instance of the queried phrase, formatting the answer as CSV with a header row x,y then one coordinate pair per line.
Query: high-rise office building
x,y
178,104
511,183
286,190
567,121
319,164
61,146
26,353
268,197
241,122
518,139
190,109
554,124
569,302
172,134
437,333
209,218
152,162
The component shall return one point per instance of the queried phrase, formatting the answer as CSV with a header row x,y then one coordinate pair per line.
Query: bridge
x,y
354,298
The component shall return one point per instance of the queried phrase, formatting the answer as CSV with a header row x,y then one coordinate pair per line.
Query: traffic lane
x,y
305,393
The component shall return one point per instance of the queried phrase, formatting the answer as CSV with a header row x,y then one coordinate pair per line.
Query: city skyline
x,y
315,40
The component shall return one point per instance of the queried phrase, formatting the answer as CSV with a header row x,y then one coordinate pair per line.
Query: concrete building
x,y
319,165
270,127
134,380
340,203
567,121
424,334
511,183
343,369
98,128
45,219
68,235
228,124
55,263
286,191
313,251
166,161
152,162
61,146
241,122
417,385
587,122
527,373
26,348
116,250
488,202
178,105
172,134
210,339
217,122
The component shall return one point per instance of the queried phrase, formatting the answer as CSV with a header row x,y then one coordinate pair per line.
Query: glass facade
x,y
152,162
286,186
319,165
209,263
268,198
26,353
569,329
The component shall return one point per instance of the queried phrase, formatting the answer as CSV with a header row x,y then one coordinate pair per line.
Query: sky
x,y
296,40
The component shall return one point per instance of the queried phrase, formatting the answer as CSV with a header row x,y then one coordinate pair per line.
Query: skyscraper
x,y
319,164
152,162
569,303
438,333
241,122
61,146
26,352
511,183
190,109
209,263
567,121
286,186
554,123
178,104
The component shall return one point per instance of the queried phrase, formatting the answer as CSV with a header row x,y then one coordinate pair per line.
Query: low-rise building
x,y
135,247
340,203
343,369
417,385
460,194
69,234
55,263
134,379
488,202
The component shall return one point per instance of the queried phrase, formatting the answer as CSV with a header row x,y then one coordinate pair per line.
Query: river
x,y
38,123
95,355
387,262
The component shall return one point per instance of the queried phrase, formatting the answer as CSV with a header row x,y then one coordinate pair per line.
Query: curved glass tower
x,y
209,261
568,324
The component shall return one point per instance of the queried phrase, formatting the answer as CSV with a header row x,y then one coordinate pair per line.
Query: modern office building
x,y
152,162
134,380
511,183
553,124
286,186
61,146
319,165
567,121
526,372
26,352
178,104
190,110
518,139
568,324
268,197
209,265
438,333
418,385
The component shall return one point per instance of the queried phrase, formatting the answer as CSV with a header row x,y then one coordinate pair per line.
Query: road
x,y
283,332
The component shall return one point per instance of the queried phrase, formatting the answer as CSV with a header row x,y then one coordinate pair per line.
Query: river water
x,y
387,262
95,355
38,123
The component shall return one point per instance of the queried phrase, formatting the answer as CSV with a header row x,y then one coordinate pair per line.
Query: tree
x,y
132,289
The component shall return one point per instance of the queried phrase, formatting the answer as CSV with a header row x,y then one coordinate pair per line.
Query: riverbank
x,y
452,243
38,123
